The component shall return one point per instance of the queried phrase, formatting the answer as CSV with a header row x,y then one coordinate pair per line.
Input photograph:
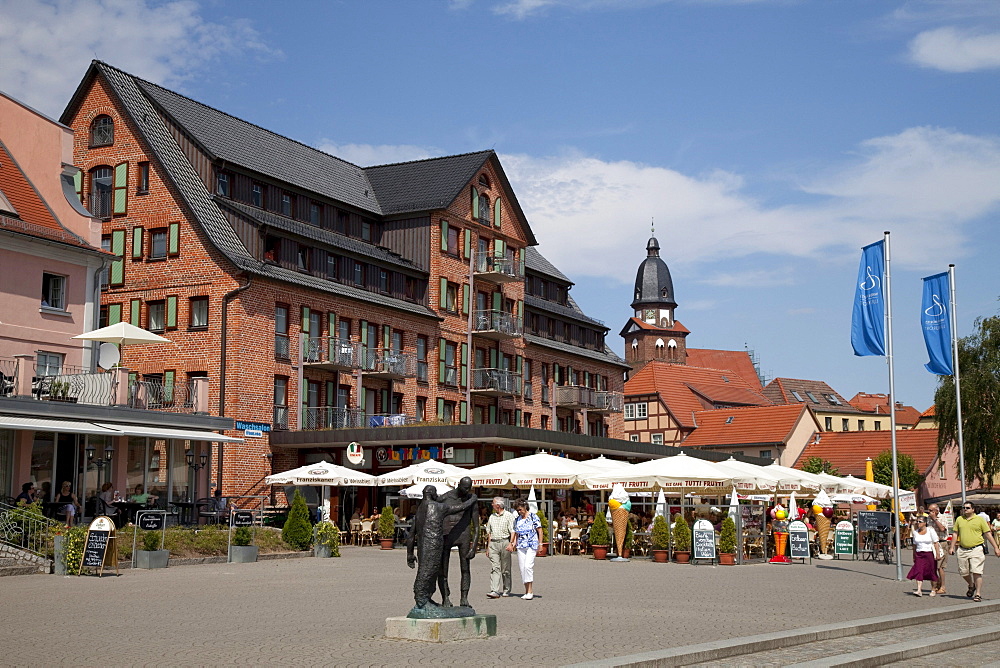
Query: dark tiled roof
x,y
540,304
239,142
536,262
780,391
608,356
333,239
423,185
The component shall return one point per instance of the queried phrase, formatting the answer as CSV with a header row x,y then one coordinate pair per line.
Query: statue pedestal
x,y
441,630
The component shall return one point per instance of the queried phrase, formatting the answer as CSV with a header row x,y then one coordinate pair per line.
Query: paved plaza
x,y
332,611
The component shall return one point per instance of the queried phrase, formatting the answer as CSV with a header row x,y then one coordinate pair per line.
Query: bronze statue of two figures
x,y
442,522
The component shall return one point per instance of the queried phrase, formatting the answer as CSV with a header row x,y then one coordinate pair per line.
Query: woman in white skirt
x,y
529,534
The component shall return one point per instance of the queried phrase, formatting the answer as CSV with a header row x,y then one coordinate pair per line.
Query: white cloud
x,y
366,155
955,50
46,45
520,9
924,184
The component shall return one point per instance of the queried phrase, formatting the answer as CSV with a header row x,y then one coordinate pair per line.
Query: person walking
x,y
925,547
500,544
969,531
936,522
529,534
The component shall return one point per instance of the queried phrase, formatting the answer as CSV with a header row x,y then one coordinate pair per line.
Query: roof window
x,y
833,399
798,397
812,397
729,420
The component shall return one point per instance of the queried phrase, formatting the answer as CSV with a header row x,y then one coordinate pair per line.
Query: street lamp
x,y
195,466
109,453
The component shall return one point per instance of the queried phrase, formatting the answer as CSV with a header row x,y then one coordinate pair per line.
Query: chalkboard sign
x,y
243,518
99,548
843,539
152,521
798,541
704,540
874,520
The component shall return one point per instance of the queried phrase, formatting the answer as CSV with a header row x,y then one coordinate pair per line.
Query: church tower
x,y
653,333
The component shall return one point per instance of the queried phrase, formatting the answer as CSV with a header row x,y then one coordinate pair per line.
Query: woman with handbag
x,y
925,553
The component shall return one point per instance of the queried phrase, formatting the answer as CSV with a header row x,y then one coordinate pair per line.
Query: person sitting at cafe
x,y
219,502
107,496
141,497
27,495
71,505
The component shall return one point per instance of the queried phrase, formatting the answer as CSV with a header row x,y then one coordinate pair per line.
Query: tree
x,y
979,370
909,476
297,531
820,465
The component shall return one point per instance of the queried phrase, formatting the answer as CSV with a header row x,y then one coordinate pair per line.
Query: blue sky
x,y
769,139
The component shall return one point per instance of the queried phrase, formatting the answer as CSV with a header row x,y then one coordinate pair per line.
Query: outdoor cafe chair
x,y
753,543
355,534
366,533
573,541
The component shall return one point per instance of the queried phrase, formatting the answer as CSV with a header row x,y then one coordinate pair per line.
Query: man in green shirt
x,y
969,531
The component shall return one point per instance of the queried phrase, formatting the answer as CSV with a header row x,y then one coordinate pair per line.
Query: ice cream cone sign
x,y
620,505
820,505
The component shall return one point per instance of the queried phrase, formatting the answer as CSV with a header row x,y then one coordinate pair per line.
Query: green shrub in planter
x,y
545,525
151,541
386,523
727,537
599,533
297,531
682,534
73,541
627,542
242,536
326,535
661,533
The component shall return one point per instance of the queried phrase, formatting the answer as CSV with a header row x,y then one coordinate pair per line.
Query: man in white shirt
x,y
500,545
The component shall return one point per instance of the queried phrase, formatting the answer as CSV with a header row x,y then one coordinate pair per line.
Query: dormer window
x,y
484,181
102,131
222,184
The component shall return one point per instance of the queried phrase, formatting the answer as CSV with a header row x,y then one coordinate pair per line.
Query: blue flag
x,y
868,321
936,323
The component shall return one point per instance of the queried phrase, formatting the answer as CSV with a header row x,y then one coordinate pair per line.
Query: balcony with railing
x,y
574,396
495,383
160,395
489,267
280,420
331,353
388,364
334,417
282,347
497,325
607,401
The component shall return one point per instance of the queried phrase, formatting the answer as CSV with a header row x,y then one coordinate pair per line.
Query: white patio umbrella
x,y
417,491
679,474
734,504
122,333
873,489
541,469
661,505
532,501
804,479
325,475
858,499
602,463
425,471
768,479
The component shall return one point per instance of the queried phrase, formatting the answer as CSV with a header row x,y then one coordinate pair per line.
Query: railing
x,y
84,388
280,420
574,395
497,321
26,530
161,396
496,380
282,347
8,377
334,417
612,402
487,263
331,350
388,362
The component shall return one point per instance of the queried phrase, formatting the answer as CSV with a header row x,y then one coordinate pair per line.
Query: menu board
x,y
704,540
843,538
152,521
874,520
243,518
798,541
100,539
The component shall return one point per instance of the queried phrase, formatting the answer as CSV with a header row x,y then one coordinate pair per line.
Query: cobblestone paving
x,y
332,611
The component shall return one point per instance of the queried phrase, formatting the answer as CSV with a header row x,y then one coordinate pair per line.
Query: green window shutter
x,y
444,236
442,354
440,408
331,392
497,301
465,364
463,411
493,414
305,320
121,188
385,401
114,314
519,309
499,248
586,379
361,398
386,336
364,333
117,273
136,243
132,378
475,203
493,358
465,298
331,324
496,213
443,294
555,373
174,239
171,312
520,362
168,385
468,243
517,417
521,253
133,312
78,184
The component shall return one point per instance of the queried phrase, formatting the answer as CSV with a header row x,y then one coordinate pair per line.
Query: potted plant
x,y
241,551
600,537
727,543
682,539
627,541
326,540
387,528
660,539
298,531
543,547
151,555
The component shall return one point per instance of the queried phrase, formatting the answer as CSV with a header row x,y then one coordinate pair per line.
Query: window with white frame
x,y
48,364
54,291
634,438
657,439
636,411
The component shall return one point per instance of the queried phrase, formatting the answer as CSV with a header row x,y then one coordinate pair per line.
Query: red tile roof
x,y
737,361
783,390
675,383
929,412
879,403
34,218
750,426
678,327
847,450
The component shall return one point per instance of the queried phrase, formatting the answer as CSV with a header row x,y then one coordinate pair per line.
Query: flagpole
x,y
892,406
958,390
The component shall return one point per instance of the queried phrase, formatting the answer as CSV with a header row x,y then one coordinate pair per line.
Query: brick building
x,y
328,298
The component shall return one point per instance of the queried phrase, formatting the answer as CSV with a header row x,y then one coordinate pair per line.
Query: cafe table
x,y
129,508
186,510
